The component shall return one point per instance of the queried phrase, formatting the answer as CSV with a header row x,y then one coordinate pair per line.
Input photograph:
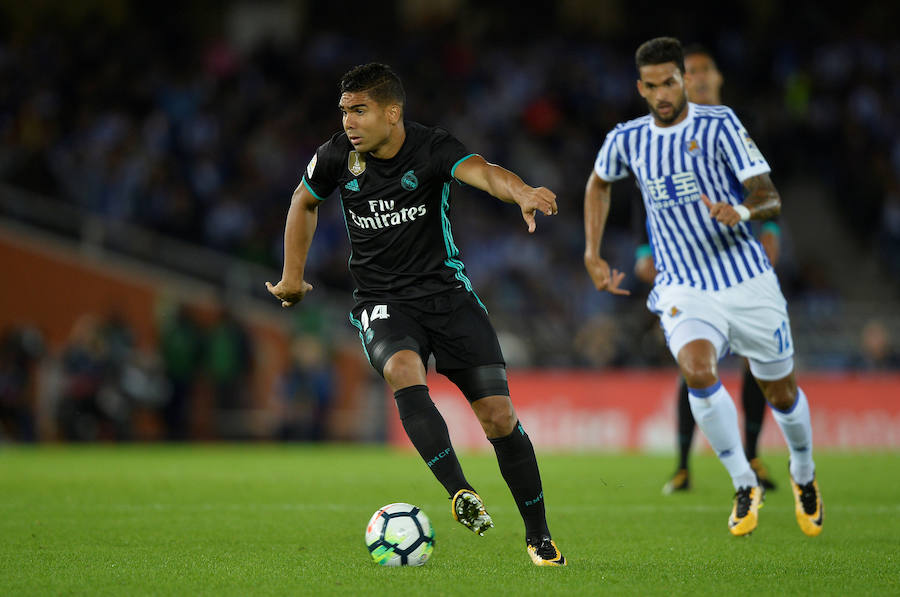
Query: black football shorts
x,y
453,326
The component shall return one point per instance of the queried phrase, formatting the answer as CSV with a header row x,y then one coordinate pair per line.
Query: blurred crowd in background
x,y
102,386
195,384
198,124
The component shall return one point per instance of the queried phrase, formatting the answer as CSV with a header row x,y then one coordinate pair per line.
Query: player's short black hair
x,y
660,50
382,83
694,49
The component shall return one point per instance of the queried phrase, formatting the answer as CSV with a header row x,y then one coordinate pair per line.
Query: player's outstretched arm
x,y
508,187
299,229
762,203
596,210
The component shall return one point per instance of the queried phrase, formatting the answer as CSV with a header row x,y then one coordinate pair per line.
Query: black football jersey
x,y
396,212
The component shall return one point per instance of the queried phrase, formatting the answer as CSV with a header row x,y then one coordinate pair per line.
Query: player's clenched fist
x,y
289,294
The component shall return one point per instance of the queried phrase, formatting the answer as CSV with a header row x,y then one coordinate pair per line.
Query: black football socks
x,y
754,409
519,468
685,425
428,432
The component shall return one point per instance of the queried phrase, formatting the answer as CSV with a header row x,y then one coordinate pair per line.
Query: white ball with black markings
x,y
400,535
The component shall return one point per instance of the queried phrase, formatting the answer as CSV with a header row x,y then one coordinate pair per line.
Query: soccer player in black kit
x,y
413,298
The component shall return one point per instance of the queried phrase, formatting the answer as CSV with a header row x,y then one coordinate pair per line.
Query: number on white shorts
x,y
783,337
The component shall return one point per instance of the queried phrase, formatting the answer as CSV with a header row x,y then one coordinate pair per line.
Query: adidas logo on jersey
x,y
353,185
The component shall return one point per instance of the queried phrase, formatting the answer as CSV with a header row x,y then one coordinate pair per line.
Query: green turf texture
x,y
289,520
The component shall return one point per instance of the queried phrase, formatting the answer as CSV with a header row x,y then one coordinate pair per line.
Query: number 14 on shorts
x,y
783,337
378,312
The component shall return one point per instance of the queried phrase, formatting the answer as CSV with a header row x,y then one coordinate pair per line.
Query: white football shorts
x,y
749,319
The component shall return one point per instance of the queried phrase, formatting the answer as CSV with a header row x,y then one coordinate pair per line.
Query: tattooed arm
x,y
762,199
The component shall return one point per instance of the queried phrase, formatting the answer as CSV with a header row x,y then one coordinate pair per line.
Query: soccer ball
x,y
400,535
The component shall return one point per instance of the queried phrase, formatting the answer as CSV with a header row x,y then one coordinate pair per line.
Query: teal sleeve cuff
x,y
460,161
771,228
643,251
309,188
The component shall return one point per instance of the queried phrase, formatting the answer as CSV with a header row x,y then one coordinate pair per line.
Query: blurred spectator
x,y
118,338
181,349
20,350
143,385
228,362
597,342
889,233
87,410
815,292
307,391
876,351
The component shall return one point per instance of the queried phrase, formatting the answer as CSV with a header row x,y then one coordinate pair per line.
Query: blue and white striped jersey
x,y
708,152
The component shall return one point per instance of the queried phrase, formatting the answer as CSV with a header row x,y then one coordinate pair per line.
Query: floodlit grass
x,y
289,520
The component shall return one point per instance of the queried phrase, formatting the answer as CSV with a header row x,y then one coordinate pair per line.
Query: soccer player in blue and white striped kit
x,y
702,178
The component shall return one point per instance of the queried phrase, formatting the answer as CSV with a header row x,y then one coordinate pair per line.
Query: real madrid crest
x,y
356,163
409,181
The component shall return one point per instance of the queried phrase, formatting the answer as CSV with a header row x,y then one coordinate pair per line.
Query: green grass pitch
x,y
289,520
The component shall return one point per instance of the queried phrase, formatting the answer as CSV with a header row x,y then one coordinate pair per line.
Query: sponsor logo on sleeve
x,y
752,150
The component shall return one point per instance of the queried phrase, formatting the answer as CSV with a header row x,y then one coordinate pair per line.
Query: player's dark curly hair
x,y
660,50
379,80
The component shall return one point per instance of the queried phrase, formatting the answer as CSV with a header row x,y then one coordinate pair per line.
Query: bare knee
x,y
698,362
780,393
496,415
404,369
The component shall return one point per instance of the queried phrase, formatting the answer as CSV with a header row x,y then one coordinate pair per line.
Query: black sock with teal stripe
x,y
519,468
428,432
